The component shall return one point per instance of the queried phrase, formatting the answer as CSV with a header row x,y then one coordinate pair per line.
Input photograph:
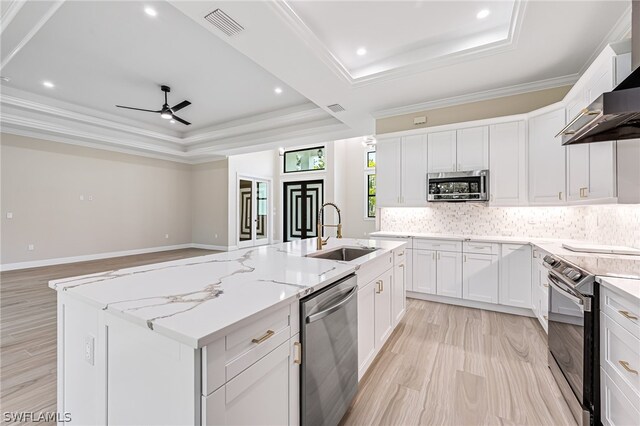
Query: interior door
x,y
253,212
301,202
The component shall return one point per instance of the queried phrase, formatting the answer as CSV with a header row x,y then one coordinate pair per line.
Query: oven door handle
x,y
568,293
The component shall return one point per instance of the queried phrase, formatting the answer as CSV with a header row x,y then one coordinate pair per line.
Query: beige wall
x,y
498,107
209,194
134,202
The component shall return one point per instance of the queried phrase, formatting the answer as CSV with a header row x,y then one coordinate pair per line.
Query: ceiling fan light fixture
x,y
166,114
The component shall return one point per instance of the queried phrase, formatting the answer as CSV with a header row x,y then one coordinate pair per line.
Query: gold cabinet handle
x,y
545,285
434,256
297,357
560,195
628,315
401,253
625,365
264,337
401,265
379,285
465,258
438,255
546,318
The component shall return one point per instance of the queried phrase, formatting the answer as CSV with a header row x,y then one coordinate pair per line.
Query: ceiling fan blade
x,y
137,109
180,106
186,123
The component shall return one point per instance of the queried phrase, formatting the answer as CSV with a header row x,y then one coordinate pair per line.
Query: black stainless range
x,y
574,337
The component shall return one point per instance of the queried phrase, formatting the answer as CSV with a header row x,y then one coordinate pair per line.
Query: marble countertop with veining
x,y
195,300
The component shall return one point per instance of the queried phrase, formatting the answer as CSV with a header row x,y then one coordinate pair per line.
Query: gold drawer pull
x,y
266,335
546,318
625,365
298,353
401,253
546,285
626,314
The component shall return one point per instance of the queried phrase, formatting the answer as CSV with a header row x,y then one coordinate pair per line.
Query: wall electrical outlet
x,y
419,120
30,247
82,198
166,235
9,215
90,197
215,236
89,348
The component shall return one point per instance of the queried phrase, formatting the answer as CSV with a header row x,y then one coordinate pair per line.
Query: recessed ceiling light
x,y
361,51
278,90
483,14
48,84
150,11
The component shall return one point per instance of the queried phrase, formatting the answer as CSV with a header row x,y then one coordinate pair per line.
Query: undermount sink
x,y
343,253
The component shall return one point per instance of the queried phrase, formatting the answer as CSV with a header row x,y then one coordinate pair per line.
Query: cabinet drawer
x,y
375,268
440,245
621,310
250,343
480,248
617,409
399,255
620,355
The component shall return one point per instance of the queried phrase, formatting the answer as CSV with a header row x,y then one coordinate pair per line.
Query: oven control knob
x,y
550,260
575,275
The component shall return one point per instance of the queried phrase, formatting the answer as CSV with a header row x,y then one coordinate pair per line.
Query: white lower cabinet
x,y
375,317
366,326
619,359
449,274
258,395
480,277
424,271
515,275
383,317
398,296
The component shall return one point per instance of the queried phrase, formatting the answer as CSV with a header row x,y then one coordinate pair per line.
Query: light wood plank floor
x,y
28,327
450,365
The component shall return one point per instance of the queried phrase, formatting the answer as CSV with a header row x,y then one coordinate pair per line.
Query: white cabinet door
x,y
480,276
507,164
383,320
515,275
265,385
441,152
449,274
398,296
602,171
388,166
424,271
366,326
414,170
577,171
546,159
472,149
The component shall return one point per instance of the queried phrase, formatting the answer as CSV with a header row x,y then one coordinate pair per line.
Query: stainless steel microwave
x,y
458,186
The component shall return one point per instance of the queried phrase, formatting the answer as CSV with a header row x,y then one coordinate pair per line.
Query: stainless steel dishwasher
x,y
329,334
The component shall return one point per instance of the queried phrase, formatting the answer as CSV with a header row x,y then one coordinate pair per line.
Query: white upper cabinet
x,y
414,170
472,149
442,152
401,169
388,171
507,164
547,165
591,168
458,150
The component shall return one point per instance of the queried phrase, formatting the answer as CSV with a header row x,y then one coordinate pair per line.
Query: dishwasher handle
x,y
332,309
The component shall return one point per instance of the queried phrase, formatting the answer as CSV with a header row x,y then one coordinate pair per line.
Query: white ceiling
x,y
101,53
395,33
419,54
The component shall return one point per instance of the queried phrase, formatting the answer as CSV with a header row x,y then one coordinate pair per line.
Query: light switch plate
x,y
9,215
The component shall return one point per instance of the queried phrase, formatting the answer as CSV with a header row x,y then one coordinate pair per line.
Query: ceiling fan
x,y
166,112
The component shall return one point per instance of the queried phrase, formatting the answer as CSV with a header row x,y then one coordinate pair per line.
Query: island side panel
x,y
151,379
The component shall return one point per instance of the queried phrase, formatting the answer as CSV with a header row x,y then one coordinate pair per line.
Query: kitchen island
x,y
205,340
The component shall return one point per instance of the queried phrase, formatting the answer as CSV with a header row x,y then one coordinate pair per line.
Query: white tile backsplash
x,y
611,224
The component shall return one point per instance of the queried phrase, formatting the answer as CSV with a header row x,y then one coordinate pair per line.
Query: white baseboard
x,y
98,256
471,304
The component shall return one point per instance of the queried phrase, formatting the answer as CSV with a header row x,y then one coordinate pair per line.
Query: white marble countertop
x,y
625,286
195,300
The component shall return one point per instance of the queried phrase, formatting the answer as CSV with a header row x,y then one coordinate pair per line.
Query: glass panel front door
x,y
302,200
253,212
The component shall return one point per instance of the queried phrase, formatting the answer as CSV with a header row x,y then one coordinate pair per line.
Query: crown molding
x,y
479,96
303,31
43,20
10,12
620,30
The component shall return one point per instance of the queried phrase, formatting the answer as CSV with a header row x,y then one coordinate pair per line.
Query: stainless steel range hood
x,y
613,115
